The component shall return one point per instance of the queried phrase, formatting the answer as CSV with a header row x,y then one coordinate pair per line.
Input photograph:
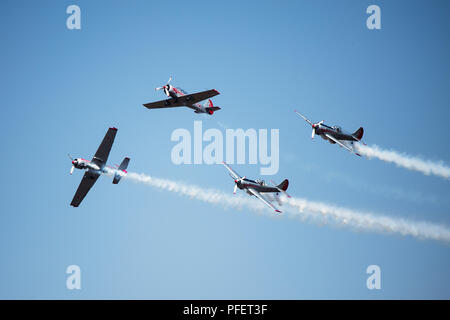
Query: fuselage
x,y
335,131
258,185
83,164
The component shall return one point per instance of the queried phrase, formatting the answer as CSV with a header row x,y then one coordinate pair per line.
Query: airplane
x,y
180,98
256,187
96,167
335,134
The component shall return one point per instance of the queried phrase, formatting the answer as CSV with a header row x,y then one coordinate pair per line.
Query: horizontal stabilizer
x,y
213,108
121,171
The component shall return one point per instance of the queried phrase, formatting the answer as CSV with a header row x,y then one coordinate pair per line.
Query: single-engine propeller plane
x,y
257,187
180,98
96,167
335,134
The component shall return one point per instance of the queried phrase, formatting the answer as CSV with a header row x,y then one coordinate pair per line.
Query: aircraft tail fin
x,y
358,134
284,185
208,104
121,171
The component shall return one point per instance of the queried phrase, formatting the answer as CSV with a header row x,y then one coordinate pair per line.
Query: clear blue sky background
x,y
61,90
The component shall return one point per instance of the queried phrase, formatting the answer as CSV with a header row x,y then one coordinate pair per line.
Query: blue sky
x,y
62,89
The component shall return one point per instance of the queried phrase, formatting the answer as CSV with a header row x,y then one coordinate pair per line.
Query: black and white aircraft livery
x,y
256,187
96,167
335,134
180,98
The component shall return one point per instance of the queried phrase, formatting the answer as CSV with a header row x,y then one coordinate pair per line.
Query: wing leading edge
x,y
233,173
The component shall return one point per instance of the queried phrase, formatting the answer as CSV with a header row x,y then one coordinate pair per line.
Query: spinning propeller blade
x,y
313,125
167,84
314,128
236,183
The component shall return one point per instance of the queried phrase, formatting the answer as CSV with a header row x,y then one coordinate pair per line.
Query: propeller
x,y
166,88
313,125
236,183
73,167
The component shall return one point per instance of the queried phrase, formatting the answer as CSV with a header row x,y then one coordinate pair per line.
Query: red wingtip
x,y
278,211
113,128
216,91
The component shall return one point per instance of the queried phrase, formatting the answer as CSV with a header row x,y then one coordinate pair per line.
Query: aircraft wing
x,y
86,184
260,197
169,103
181,101
101,156
329,136
233,173
304,118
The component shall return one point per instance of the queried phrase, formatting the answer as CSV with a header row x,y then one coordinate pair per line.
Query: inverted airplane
x,y
335,134
257,187
96,167
180,98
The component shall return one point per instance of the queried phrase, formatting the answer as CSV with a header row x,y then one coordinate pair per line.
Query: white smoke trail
x,y
210,196
305,210
324,213
406,161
